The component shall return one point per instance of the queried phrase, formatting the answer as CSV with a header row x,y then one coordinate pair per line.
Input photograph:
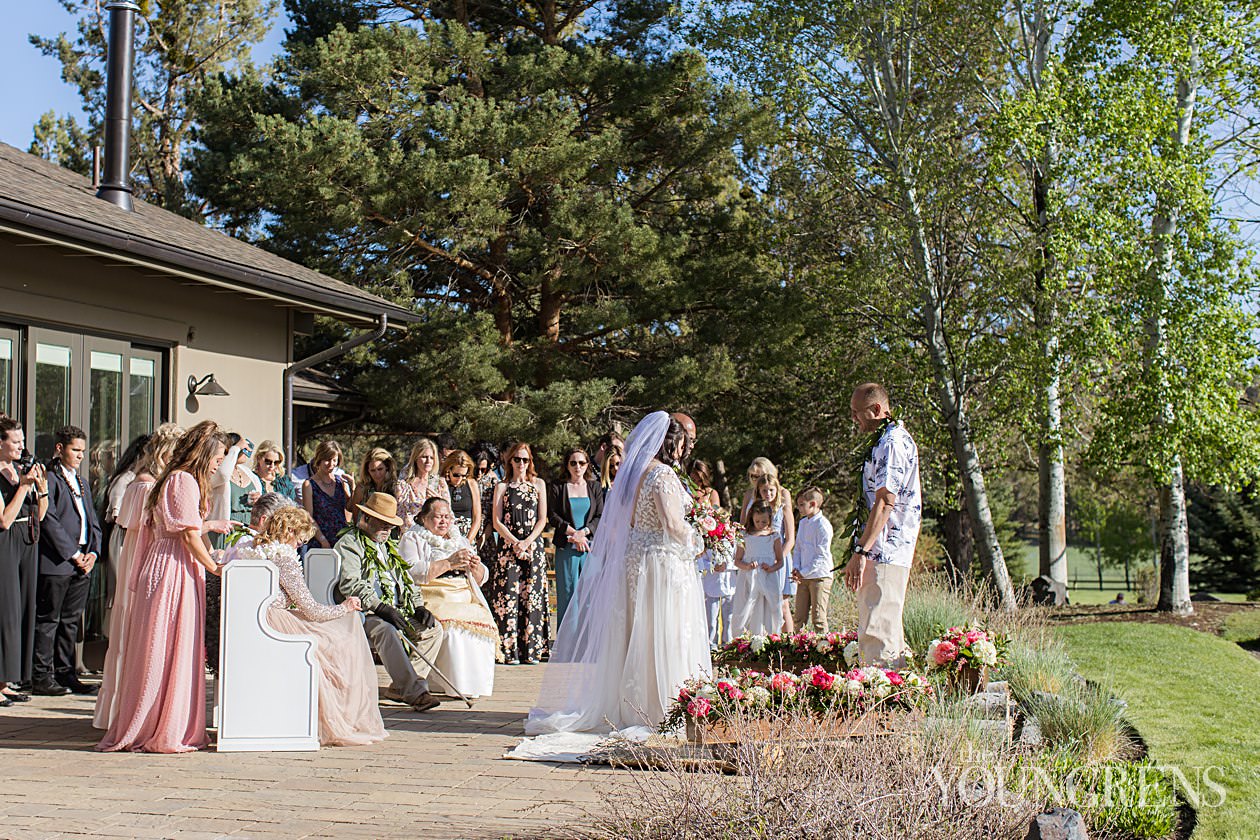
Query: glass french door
x,y
104,386
8,372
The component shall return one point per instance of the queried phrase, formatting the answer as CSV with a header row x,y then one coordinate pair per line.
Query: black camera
x,y
23,465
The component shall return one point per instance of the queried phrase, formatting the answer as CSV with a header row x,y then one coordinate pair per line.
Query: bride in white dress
x,y
636,628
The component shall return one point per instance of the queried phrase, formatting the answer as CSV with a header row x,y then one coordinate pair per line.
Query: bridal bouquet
x,y
721,536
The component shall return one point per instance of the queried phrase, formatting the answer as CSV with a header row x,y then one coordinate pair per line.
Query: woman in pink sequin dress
x,y
161,694
349,714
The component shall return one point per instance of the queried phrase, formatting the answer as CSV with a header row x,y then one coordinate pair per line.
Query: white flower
x,y
852,652
757,696
931,652
823,646
853,687
757,643
913,680
985,651
707,523
708,691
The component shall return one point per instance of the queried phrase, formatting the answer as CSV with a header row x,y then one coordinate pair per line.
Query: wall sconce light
x,y
206,386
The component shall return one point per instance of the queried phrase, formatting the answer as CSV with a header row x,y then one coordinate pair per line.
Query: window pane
x,y
143,394
104,419
6,375
52,395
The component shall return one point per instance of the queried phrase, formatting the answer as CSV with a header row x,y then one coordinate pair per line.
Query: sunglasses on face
x,y
520,460
459,475
577,463
267,462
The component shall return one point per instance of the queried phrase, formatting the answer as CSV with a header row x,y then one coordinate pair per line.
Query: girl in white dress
x,y
640,628
760,560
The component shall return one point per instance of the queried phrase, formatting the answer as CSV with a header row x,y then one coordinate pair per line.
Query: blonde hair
x,y
267,447
194,454
158,450
378,453
421,445
769,480
760,466
813,494
286,525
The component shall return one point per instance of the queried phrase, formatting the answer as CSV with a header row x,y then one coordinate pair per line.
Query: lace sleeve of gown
x,y
294,586
670,498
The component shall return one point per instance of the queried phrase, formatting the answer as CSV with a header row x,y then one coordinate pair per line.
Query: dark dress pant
x,y
59,604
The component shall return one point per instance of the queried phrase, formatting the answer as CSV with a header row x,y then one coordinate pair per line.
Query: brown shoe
x,y
425,702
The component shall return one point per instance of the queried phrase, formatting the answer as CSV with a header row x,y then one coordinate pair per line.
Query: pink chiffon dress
x,y
349,714
135,543
161,688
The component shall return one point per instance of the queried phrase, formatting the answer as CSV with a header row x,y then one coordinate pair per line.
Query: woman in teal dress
x,y
574,506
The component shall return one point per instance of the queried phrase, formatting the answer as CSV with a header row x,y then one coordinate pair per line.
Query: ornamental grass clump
x,y
931,606
803,782
1036,666
1085,720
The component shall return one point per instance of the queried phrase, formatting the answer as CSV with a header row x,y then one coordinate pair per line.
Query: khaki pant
x,y
812,597
407,674
881,597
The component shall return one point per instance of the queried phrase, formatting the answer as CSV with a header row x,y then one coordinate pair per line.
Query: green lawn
x,y
1243,628
1083,578
1194,699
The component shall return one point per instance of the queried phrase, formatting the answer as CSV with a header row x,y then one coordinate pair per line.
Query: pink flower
x,y
699,708
894,677
944,653
782,682
974,636
774,637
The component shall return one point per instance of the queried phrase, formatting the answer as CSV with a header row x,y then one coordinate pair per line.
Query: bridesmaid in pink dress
x,y
161,705
135,543
349,713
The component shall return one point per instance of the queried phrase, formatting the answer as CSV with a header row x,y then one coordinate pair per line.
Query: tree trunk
x,y
1174,547
1174,534
1052,489
950,400
960,546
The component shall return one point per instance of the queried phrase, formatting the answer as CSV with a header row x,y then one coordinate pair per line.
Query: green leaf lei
x,y
393,565
860,512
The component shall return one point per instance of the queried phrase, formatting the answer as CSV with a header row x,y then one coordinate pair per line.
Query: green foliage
x,y
932,607
181,44
1131,799
1225,537
1083,719
1031,668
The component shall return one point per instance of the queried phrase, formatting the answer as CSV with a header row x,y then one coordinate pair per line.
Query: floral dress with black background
x,y
518,586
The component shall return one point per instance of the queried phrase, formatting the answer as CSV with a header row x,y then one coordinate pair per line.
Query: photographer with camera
x,y
69,544
24,488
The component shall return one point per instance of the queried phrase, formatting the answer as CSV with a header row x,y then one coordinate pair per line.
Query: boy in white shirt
x,y
811,562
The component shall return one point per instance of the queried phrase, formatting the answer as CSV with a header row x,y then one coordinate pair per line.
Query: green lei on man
x,y
392,565
860,512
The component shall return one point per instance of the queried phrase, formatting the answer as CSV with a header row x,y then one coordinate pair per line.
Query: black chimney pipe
x,y
116,184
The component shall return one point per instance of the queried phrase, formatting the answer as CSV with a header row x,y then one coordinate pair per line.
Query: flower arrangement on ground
x,y
959,647
721,536
837,650
754,693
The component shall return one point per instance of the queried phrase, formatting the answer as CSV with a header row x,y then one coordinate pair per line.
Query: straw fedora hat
x,y
382,506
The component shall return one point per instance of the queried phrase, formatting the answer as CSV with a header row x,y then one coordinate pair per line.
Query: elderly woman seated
x,y
450,574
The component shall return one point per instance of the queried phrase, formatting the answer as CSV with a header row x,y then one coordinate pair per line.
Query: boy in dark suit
x,y
69,543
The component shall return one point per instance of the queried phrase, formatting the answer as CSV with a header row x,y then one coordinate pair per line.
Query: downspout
x,y
309,362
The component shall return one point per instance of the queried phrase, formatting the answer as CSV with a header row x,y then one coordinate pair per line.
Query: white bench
x,y
322,568
268,686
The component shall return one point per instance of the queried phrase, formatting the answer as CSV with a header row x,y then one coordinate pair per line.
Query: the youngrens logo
x,y
1082,787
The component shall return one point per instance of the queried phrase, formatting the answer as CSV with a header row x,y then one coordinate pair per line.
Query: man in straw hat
x,y
374,571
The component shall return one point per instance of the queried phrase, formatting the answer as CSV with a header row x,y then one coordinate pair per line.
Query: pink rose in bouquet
x,y
699,708
944,652
782,682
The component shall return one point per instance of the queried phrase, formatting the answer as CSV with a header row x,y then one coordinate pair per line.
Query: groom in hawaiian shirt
x,y
880,566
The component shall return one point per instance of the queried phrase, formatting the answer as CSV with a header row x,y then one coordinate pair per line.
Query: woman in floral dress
x,y
422,481
518,574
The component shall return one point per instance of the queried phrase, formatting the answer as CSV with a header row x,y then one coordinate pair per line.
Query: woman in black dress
x,y
457,472
25,499
518,575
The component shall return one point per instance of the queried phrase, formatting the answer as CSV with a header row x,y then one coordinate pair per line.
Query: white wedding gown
x,y
653,637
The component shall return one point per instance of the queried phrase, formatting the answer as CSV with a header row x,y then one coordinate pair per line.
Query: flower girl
x,y
759,561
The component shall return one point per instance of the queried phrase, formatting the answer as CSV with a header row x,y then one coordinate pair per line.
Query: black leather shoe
x,y
73,685
5,703
16,696
49,689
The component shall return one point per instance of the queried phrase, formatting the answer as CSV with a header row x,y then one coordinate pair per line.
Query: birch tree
x,y
891,87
